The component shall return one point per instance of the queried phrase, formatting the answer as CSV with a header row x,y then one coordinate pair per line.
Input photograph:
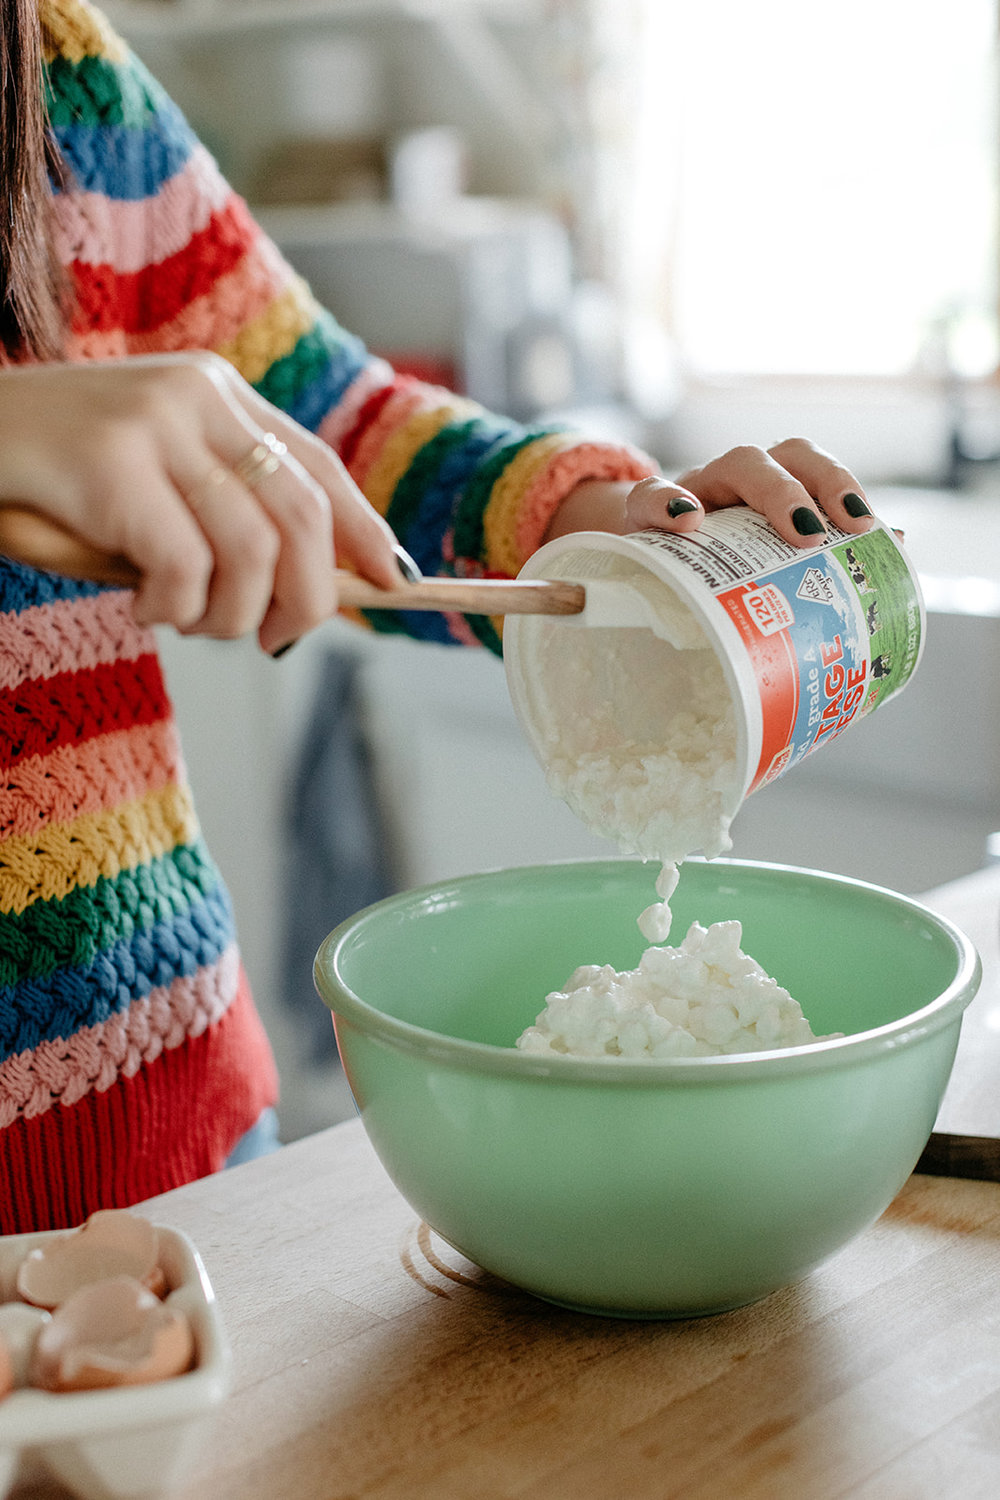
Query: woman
x,y
170,392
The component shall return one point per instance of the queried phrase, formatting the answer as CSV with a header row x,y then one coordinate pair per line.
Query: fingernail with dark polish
x,y
283,650
855,506
680,506
406,565
807,522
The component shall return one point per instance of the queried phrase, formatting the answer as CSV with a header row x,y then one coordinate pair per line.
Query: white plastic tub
x,y
767,652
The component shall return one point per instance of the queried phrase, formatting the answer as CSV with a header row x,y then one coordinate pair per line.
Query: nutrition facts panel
x,y
734,545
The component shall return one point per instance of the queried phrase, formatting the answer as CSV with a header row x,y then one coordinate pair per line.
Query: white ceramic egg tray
x,y
119,1444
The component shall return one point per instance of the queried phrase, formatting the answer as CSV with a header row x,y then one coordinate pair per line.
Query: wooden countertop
x,y
373,1363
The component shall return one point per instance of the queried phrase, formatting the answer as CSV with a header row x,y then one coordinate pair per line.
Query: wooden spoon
x,y
30,538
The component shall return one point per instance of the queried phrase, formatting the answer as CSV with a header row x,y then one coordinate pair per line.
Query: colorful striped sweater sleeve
x,y
164,256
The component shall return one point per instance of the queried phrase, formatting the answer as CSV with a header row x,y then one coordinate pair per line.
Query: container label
x,y
830,633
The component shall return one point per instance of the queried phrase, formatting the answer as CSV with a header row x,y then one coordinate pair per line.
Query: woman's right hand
x,y
231,513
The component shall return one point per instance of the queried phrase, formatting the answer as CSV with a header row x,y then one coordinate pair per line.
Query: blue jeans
x,y
260,1140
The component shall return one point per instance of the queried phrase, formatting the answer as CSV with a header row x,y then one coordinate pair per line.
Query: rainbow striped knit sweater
x,y
131,1056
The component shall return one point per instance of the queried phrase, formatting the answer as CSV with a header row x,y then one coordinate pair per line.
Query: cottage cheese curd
x,y
641,741
702,998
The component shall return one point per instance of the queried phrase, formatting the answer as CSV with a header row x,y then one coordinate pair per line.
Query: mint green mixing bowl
x,y
643,1188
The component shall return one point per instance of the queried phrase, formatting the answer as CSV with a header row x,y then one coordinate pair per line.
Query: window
x,y
824,177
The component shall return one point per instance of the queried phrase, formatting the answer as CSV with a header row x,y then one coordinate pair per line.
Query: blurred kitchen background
x,y
689,225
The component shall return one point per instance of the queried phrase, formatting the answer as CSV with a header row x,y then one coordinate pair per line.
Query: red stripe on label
x,y
777,673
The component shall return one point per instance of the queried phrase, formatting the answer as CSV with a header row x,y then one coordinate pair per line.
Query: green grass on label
x,y
889,600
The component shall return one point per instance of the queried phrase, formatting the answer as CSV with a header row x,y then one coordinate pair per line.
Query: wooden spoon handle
x,y
482,596
30,538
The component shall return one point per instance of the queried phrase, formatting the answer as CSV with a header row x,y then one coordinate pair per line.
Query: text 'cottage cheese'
x,y
660,781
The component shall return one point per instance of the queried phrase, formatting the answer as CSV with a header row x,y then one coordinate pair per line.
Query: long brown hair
x,y
32,286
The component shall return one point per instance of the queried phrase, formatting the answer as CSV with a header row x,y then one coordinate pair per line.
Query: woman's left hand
x,y
795,485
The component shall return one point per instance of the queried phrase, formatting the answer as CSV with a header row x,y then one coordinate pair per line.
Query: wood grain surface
x,y
373,1361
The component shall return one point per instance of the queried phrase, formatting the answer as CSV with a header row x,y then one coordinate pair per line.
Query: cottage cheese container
x,y
772,651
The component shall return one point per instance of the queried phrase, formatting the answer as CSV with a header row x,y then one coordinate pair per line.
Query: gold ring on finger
x,y
263,459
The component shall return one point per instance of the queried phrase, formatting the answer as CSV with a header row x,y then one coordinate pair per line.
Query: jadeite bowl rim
x,y
486,1057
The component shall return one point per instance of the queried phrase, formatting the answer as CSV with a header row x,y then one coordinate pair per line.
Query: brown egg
x,y
111,1332
113,1242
